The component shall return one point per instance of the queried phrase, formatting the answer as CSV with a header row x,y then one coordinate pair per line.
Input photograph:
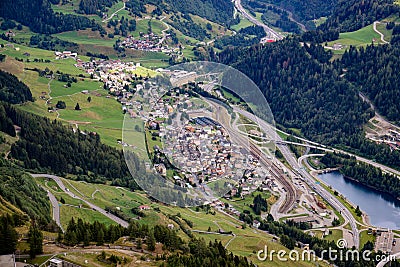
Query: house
x,y
56,263
256,224
144,207
171,226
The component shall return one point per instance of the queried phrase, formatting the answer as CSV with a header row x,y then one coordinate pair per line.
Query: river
x,y
382,209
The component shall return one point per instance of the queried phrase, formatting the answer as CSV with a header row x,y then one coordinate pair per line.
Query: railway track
x,y
277,174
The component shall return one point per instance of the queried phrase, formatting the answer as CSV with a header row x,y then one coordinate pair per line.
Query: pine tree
x,y
100,237
35,240
151,242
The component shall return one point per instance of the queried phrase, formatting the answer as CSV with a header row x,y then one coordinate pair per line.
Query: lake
x,y
383,210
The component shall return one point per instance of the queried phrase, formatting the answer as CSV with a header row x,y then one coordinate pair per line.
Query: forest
x,y
376,70
52,43
303,90
13,90
290,236
8,235
89,7
245,37
283,22
308,92
363,173
40,18
187,26
46,145
19,188
351,15
303,11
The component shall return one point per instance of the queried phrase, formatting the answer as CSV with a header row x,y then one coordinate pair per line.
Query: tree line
x,y
303,89
353,15
195,252
39,17
364,173
49,146
375,70
19,189
13,90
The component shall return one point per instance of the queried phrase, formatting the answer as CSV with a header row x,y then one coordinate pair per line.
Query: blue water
x,y
383,210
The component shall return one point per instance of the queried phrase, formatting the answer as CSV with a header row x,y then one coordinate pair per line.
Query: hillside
x,y
12,90
353,15
381,87
303,11
303,93
23,194
39,16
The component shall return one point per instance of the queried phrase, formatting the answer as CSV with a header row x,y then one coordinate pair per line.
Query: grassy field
x,y
335,235
102,115
108,196
361,37
387,33
247,241
242,24
365,237
85,37
217,30
105,195
320,21
72,208
68,8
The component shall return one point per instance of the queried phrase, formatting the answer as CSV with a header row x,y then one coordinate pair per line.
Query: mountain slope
x,y
303,89
354,14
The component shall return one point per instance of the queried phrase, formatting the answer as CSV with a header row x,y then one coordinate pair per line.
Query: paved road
x,y
56,209
270,32
378,32
291,159
92,206
299,160
113,14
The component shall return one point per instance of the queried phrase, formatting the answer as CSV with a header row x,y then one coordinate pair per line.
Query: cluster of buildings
x,y
117,77
203,148
65,55
391,138
149,42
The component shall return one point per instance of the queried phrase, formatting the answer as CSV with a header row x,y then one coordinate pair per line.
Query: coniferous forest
x,y
12,90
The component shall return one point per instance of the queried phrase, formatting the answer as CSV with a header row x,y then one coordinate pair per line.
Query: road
x,y
113,14
299,160
378,32
56,209
92,206
164,32
290,16
291,159
270,32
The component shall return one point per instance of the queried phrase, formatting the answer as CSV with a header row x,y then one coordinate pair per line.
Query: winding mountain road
x,y
381,34
113,14
67,191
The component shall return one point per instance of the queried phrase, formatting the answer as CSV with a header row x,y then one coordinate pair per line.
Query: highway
x,y
270,32
67,191
56,209
291,159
